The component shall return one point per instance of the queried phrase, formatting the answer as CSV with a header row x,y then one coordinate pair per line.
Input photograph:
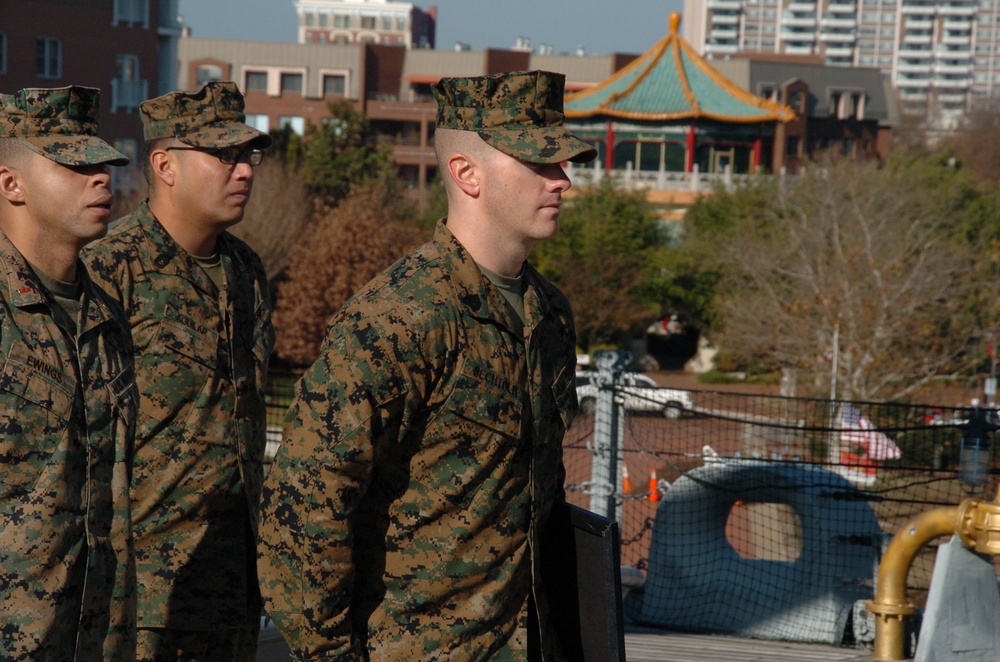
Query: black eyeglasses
x,y
228,155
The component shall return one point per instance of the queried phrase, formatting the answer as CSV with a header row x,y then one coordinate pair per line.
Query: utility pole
x,y
609,432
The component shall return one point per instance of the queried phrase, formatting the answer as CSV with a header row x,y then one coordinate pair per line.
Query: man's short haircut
x,y
453,141
148,148
13,152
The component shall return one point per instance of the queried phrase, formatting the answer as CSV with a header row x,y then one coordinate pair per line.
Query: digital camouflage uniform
x,y
67,412
421,456
201,361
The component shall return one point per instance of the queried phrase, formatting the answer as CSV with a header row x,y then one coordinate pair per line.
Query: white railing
x,y
661,180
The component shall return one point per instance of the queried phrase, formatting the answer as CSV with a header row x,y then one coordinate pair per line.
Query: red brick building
x,y
127,48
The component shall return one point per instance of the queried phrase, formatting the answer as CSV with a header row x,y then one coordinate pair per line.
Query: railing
x,y
660,180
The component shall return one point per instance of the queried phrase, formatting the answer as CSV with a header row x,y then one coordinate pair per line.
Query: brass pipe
x,y
890,606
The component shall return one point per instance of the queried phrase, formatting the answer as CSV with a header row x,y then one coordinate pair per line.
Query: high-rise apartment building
x,y
943,56
383,22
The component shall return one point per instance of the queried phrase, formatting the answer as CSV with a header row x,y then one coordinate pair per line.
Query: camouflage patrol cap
x,y
212,117
519,113
59,123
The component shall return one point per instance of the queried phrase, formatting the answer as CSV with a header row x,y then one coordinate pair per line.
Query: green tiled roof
x,y
672,82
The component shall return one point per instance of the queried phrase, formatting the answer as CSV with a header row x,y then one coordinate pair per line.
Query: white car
x,y
640,392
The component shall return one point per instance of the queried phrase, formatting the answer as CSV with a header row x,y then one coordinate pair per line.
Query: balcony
x,y
952,83
914,67
913,85
790,19
126,95
839,53
921,8
723,33
910,39
919,23
916,54
957,25
796,49
837,38
725,19
721,49
799,7
951,98
846,22
953,69
842,8
955,39
958,9
724,5
803,38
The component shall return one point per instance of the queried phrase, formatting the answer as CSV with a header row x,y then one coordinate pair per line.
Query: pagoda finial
x,y
675,22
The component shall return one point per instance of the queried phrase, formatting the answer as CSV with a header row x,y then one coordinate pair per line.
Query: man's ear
x,y
162,166
10,184
465,173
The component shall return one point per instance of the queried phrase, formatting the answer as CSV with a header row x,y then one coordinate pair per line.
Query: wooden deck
x,y
643,645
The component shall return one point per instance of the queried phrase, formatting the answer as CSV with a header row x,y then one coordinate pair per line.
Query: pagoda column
x,y
689,161
609,152
757,148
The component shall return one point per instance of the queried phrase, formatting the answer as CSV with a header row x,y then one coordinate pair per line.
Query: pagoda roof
x,y
671,82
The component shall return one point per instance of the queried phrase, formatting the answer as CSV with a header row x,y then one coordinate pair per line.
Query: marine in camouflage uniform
x,y
67,393
422,452
203,335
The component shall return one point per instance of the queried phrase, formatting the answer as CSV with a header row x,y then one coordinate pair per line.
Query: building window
x,y
296,124
208,73
367,22
256,80
310,19
291,83
387,22
3,52
341,21
131,12
128,90
335,84
324,20
48,57
401,23
259,122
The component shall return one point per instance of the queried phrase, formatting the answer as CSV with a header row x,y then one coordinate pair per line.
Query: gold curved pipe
x,y
976,523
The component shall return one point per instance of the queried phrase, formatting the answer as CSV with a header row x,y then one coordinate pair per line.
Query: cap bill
x,y
225,134
543,144
75,150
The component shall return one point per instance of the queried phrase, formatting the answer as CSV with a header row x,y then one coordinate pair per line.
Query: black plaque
x,y
581,571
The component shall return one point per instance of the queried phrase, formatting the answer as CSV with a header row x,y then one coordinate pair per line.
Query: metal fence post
x,y
609,431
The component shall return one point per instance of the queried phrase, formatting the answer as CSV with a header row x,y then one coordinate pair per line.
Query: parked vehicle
x,y
640,393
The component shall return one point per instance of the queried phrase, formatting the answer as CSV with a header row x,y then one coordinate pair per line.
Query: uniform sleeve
x,y
348,405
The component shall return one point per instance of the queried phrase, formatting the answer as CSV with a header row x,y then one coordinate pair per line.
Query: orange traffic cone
x,y
654,487
626,483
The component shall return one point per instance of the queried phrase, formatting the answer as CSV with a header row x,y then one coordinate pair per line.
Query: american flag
x,y
859,430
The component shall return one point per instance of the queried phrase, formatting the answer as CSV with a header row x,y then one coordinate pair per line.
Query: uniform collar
x,y
167,256
25,289
481,298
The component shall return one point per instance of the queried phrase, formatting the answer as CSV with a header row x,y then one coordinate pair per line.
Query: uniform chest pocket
x,y
476,433
181,336
36,405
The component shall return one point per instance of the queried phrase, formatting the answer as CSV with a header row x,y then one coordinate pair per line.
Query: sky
x,y
599,26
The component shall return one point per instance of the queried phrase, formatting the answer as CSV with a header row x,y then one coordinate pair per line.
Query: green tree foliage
x,y
346,246
333,157
608,259
887,257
